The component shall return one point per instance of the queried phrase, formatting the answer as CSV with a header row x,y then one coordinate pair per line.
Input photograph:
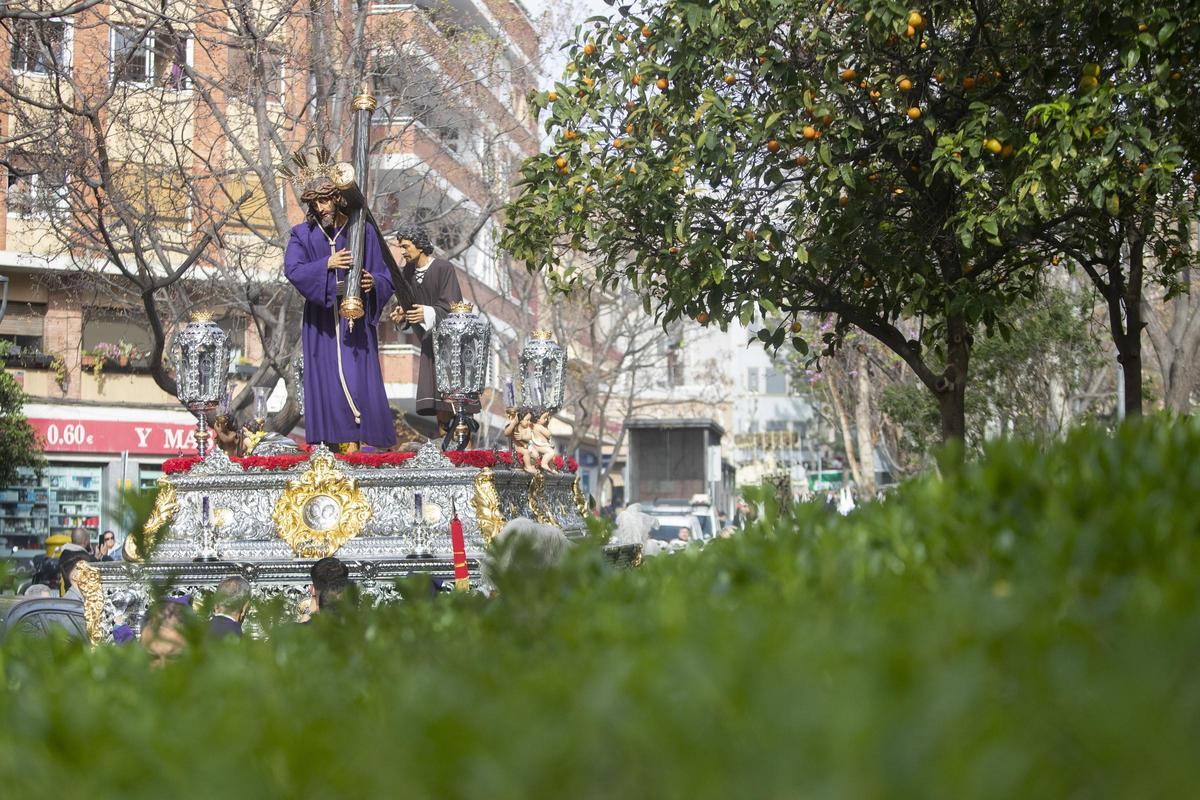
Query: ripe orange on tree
x,y
646,32
915,20
617,143
620,37
773,146
801,160
968,82
914,113
560,162
662,84
797,327
702,318
730,80
904,84
637,79
809,132
848,74
589,49
993,146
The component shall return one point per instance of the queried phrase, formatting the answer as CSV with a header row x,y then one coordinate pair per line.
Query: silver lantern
x,y
200,353
462,348
543,368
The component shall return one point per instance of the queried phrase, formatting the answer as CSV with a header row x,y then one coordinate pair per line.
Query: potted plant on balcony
x,y
101,353
128,351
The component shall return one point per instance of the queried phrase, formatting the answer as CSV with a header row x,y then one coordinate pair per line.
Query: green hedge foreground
x,y
1026,626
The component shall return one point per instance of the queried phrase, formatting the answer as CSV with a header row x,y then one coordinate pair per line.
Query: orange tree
x,y
866,160
1122,149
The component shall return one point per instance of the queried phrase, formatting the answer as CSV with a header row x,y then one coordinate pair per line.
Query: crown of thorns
x,y
306,169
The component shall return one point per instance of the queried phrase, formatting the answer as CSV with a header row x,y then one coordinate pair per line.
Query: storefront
x,y
91,452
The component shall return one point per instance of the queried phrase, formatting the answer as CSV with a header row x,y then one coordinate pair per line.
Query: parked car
x,y
671,522
700,507
39,616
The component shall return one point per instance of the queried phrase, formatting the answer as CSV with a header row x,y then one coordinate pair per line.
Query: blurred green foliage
x,y
1021,626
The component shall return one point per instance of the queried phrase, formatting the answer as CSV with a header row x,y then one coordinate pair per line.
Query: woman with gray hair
x,y
526,547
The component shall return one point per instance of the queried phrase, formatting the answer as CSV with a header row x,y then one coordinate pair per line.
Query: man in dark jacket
x,y
233,600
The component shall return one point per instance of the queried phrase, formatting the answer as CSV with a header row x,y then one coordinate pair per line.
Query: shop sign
x,y
113,436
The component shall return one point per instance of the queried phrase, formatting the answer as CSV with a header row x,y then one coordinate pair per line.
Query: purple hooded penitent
x,y
335,389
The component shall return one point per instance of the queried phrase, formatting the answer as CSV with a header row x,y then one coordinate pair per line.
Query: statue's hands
x,y
415,316
397,315
368,281
340,260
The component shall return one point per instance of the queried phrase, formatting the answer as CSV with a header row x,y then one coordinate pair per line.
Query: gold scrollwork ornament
x,y
321,510
487,505
538,504
87,578
166,504
581,503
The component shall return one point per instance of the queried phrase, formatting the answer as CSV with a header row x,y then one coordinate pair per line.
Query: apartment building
x,y
177,169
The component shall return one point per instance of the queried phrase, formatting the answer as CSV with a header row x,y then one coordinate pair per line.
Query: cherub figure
x,y
227,434
543,443
524,442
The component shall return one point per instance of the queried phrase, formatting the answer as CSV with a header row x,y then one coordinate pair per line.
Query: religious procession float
x,y
269,513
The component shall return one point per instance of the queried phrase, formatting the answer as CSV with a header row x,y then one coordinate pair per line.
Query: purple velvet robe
x,y
328,416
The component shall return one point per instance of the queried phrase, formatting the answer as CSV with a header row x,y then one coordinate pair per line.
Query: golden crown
x,y
461,308
542,334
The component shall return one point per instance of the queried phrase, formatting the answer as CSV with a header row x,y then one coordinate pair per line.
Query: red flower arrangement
x,y
477,459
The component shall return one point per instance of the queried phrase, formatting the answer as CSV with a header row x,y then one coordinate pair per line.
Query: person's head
x,y
67,563
108,540
414,242
233,597
37,590
330,579
81,537
163,631
526,548
684,534
325,202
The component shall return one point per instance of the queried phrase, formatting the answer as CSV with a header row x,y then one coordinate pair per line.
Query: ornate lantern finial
x,y
200,354
462,348
543,368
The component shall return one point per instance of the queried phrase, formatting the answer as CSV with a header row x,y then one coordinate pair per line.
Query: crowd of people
x,y
166,628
